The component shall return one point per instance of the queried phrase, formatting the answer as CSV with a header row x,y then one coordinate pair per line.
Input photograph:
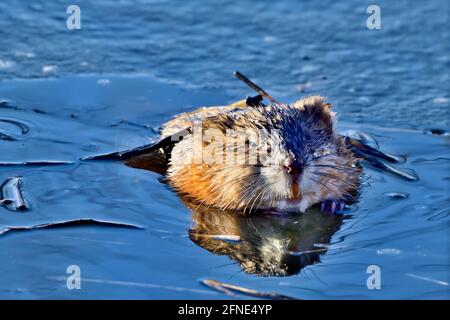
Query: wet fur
x,y
302,131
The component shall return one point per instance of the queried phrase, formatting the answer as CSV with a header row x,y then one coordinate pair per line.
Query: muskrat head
x,y
285,157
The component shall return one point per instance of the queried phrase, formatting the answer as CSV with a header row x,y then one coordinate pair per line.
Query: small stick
x,y
230,289
255,87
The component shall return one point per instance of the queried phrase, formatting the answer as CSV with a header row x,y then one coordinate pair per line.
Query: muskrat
x,y
249,156
309,163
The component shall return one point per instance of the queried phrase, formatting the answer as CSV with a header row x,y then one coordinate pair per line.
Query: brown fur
x,y
236,186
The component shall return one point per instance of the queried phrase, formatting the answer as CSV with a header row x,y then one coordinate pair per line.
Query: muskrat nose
x,y
295,167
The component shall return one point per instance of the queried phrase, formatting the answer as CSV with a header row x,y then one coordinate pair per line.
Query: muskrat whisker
x,y
321,183
250,177
256,198
222,266
262,197
315,275
344,193
328,175
330,166
253,196
238,272
338,180
324,156
233,183
217,186
334,192
244,192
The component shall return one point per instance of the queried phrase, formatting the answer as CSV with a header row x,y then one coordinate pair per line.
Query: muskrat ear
x,y
318,111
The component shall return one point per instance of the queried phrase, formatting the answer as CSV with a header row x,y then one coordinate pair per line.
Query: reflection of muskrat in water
x,y
298,161
263,244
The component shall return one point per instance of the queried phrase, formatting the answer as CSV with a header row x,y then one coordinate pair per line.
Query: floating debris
x,y
226,238
233,239
437,132
68,223
6,137
11,195
39,111
47,69
440,100
388,251
367,152
230,289
35,163
103,82
136,284
24,54
363,137
6,104
6,64
299,253
321,245
415,276
397,195
133,124
408,175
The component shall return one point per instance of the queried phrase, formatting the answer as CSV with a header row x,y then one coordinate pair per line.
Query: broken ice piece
x,y
11,195
67,223
231,289
397,195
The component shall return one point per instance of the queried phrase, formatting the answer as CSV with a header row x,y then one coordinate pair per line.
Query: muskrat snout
x,y
294,167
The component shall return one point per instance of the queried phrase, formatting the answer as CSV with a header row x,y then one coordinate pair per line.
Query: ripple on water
x,y
397,195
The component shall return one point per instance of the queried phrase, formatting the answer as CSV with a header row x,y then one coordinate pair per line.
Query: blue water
x,y
134,64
